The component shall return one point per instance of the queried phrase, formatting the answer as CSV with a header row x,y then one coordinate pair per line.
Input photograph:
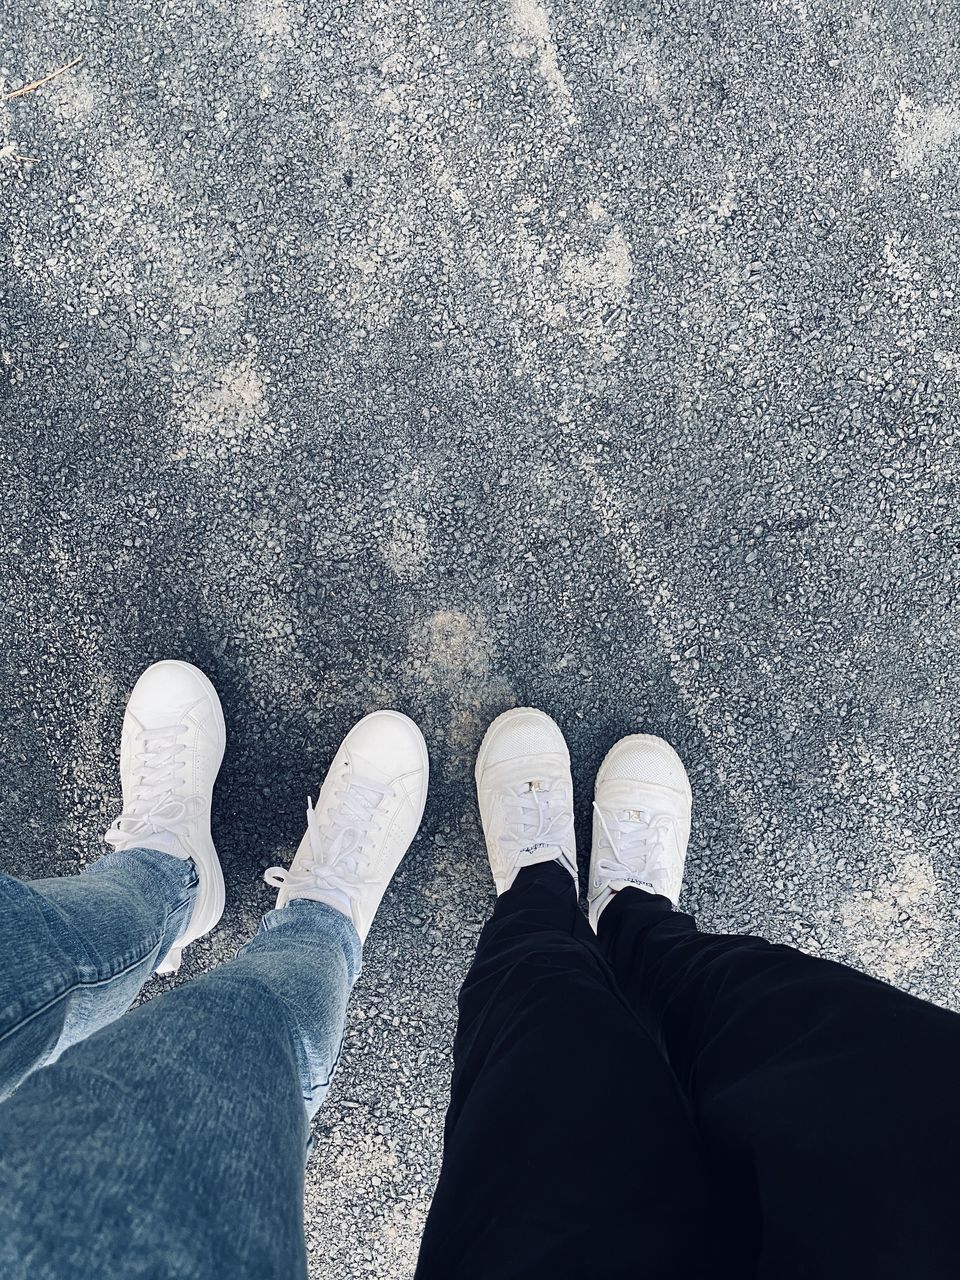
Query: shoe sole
x,y
211,890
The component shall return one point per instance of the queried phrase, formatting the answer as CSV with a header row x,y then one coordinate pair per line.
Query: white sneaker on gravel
x,y
525,793
641,822
171,747
364,821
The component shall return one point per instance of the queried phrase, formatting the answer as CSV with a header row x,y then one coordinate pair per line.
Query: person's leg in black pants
x,y
569,1149
832,1100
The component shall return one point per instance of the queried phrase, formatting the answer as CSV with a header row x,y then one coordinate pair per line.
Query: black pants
x,y
658,1102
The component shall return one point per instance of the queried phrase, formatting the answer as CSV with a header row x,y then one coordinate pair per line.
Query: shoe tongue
x,y
163,842
347,843
162,730
553,850
338,899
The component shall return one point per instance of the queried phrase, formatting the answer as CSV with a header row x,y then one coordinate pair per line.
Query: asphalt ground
x,y
600,357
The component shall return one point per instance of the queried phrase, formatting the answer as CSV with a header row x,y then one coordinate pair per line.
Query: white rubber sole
x,y
211,891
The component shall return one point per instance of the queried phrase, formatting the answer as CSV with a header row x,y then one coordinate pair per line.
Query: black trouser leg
x,y
830,1098
569,1150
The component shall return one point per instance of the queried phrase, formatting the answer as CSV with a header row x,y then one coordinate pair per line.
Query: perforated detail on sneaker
x,y
526,736
646,762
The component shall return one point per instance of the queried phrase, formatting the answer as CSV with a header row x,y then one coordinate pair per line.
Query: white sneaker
x,y
170,752
641,822
525,793
364,821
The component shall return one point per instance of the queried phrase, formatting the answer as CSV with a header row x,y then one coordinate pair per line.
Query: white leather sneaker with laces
x,y
525,793
365,819
641,822
171,747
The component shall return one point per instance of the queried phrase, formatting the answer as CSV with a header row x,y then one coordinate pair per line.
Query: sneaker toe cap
x,y
390,742
645,758
168,685
520,733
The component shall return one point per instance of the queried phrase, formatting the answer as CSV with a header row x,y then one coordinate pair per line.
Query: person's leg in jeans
x,y
830,1098
75,951
171,1143
569,1149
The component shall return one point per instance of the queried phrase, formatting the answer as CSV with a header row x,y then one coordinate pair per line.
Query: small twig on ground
x,y
10,152
36,84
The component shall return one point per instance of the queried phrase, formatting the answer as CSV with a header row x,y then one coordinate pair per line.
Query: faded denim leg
x,y
171,1143
75,951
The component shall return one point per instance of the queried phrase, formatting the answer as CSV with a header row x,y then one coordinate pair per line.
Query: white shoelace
x,y
339,849
640,834
537,813
153,807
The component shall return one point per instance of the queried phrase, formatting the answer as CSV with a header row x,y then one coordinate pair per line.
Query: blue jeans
x,y
169,1142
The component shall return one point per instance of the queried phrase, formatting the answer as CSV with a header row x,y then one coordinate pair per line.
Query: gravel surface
x,y
600,357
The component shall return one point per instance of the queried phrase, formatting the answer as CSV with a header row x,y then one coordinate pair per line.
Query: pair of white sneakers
x,y
641,809
372,801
